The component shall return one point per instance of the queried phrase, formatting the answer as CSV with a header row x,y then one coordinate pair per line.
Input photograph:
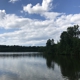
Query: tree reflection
x,y
70,66
49,61
21,55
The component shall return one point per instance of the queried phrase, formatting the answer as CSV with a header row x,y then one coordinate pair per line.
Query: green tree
x,y
48,43
73,31
69,40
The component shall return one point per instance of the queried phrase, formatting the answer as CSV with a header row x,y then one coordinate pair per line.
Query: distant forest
x,y
15,48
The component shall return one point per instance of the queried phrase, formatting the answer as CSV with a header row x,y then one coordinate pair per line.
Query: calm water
x,y
37,67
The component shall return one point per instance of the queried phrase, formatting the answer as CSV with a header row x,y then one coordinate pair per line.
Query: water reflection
x,y
27,67
16,55
69,66
39,67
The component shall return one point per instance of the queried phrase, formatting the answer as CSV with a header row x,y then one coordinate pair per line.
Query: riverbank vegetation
x,y
16,48
69,43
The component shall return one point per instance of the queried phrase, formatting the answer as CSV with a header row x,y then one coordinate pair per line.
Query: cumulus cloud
x,y
2,14
37,9
51,15
34,31
13,1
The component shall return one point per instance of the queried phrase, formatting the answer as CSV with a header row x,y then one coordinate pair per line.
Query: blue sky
x,y
32,22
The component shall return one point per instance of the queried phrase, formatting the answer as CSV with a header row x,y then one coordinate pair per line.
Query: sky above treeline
x,y
33,22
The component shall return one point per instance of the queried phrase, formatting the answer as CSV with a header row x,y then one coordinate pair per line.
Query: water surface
x,y
39,68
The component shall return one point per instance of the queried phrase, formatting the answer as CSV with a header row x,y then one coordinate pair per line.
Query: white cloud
x,y
2,14
35,31
13,1
51,15
45,6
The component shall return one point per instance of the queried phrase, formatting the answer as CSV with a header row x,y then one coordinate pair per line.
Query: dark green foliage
x,y
15,48
48,43
50,47
41,49
69,42
73,31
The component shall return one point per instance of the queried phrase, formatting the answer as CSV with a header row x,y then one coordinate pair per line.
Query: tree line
x,y
69,43
16,48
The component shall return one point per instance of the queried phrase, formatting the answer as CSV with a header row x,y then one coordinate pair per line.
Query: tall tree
x,y
73,31
48,43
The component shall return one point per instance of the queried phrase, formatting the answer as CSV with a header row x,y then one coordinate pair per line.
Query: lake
x,y
38,67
